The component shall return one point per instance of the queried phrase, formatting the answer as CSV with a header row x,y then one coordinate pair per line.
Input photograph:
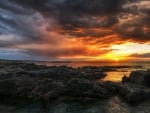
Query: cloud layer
x,y
67,28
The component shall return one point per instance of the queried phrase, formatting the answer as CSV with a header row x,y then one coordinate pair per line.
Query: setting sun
x,y
117,59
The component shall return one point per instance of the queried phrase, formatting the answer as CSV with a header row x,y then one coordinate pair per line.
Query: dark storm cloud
x,y
17,24
58,52
44,22
6,4
146,55
78,13
134,31
135,25
87,13
66,52
84,14
76,7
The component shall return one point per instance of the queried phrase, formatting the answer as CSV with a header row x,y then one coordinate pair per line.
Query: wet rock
x,y
85,88
133,93
138,77
146,81
37,82
31,89
125,79
136,87
7,87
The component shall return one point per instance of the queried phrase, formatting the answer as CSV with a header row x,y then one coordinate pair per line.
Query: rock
x,y
136,87
47,89
86,88
7,87
125,79
34,82
133,93
138,77
31,89
146,81
18,70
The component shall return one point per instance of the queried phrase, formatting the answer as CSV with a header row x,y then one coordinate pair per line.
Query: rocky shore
x,y
27,81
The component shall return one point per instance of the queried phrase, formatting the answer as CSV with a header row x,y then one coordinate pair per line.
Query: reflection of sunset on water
x,y
115,76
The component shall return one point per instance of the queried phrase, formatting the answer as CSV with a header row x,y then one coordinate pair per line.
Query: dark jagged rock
x,y
28,70
36,89
138,77
146,81
125,79
38,82
135,88
85,88
133,93
31,89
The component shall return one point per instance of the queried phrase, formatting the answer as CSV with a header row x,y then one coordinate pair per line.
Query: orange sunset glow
x,y
62,30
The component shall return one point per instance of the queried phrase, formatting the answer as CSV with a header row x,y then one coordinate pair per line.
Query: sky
x,y
75,30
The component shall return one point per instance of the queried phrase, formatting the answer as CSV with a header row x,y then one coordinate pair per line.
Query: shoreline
x,y
40,83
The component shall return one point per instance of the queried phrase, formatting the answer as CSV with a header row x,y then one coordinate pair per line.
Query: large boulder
x,y
134,93
146,81
139,77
